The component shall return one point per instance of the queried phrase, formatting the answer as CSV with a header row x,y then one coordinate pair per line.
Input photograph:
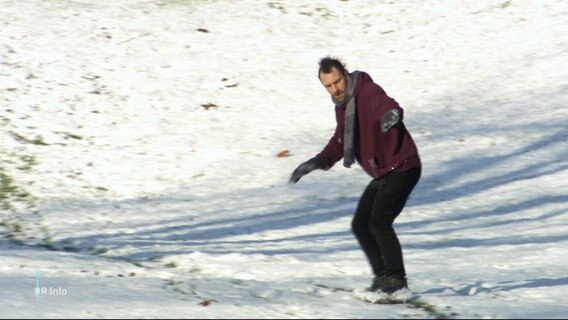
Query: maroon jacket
x,y
377,152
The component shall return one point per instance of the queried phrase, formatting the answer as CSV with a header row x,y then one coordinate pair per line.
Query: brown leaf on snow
x,y
206,302
283,154
208,106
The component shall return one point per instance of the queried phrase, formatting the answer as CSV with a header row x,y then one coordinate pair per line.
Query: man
x,y
370,130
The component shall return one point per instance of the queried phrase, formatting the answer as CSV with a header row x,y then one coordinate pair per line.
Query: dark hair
x,y
326,63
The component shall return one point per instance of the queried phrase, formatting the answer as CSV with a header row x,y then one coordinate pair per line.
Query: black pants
x,y
381,202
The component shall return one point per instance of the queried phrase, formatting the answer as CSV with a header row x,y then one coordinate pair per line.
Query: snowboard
x,y
398,297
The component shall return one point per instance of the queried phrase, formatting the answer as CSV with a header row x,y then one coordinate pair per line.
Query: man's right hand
x,y
304,169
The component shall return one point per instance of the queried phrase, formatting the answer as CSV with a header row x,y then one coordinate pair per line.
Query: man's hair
x,y
327,63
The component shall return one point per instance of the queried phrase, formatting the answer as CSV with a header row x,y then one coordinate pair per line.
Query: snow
x,y
158,192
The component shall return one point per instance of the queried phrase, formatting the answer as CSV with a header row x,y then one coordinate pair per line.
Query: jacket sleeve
x,y
381,104
333,151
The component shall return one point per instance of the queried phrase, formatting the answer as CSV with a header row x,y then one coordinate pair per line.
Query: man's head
x,y
333,76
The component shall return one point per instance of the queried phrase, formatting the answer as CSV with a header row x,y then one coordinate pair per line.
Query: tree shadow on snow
x,y
222,234
481,287
216,233
469,175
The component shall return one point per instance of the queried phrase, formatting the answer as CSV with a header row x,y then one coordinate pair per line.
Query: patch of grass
x,y
28,163
72,136
156,258
38,140
7,189
14,230
180,290
47,238
13,225
10,192
505,4
99,251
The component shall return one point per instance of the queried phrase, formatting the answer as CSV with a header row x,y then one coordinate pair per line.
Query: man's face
x,y
335,83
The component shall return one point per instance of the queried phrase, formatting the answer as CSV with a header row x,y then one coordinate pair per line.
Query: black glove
x,y
305,168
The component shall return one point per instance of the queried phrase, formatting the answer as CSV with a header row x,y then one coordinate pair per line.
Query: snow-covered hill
x,y
140,175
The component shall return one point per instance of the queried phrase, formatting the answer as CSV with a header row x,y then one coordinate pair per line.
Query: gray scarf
x,y
348,104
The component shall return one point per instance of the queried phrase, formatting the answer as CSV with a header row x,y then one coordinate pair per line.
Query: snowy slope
x,y
142,139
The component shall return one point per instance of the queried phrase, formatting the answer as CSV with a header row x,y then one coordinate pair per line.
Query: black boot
x,y
378,283
392,284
